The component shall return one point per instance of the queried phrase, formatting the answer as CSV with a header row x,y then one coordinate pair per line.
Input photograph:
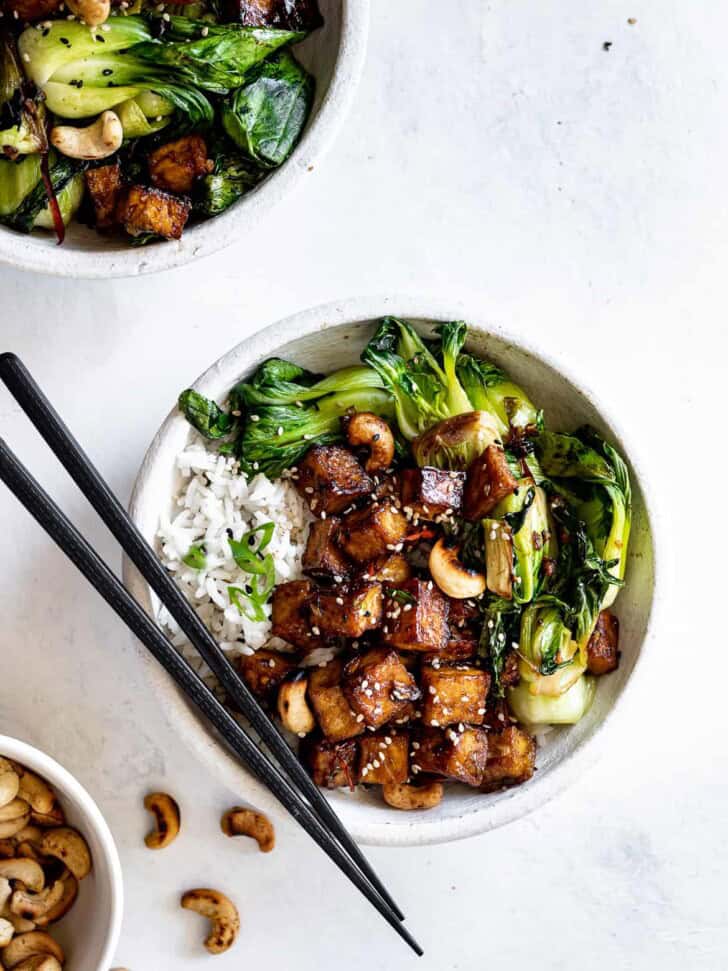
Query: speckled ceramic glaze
x,y
330,337
88,935
335,56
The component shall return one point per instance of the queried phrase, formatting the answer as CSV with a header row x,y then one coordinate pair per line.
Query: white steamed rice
x,y
216,497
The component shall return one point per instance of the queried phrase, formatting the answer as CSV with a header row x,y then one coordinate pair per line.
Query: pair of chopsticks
x,y
285,777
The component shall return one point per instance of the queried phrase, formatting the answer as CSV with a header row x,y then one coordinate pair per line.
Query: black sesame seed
x,y
107,71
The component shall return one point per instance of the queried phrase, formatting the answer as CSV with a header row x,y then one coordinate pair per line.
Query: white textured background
x,y
495,148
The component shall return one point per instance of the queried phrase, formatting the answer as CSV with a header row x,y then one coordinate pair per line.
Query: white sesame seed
x,y
481,711
205,31
340,601
279,430
463,697
364,684
316,631
360,718
255,417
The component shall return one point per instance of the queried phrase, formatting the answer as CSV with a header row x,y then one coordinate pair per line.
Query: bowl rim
x,y
519,801
62,780
21,252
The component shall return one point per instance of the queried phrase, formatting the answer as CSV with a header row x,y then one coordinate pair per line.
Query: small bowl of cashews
x,y
61,894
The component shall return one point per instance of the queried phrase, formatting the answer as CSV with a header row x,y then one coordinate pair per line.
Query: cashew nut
x,y
166,817
6,892
35,791
412,797
91,12
13,826
20,924
70,848
7,849
35,906
452,576
246,822
14,809
32,944
364,428
9,782
7,932
221,911
41,962
56,817
61,908
27,871
99,140
293,708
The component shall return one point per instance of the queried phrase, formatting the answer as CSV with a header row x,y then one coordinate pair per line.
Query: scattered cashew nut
x,y
11,827
9,782
293,708
41,962
32,944
56,817
451,575
61,908
99,140
239,821
221,911
167,817
401,796
70,848
27,871
364,428
91,12
36,906
13,810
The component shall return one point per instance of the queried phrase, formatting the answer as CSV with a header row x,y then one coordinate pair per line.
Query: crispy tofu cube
x,y
332,764
369,533
384,758
392,570
176,166
301,15
432,493
291,614
29,10
378,686
333,711
462,646
511,759
454,695
603,648
463,616
510,674
420,625
347,611
104,185
488,481
330,479
451,754
143,210
264,671
322,557
497,716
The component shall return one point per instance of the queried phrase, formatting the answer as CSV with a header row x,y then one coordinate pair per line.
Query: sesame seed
x,y
308,490
360,718
481,711
316,631
377,686
387,739
435,722
461,727
463,697
205,31
279,430
301,734
376,763
26,57
364,684
340,601
255,417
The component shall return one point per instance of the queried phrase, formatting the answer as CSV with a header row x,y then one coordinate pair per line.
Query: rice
x,y
216,501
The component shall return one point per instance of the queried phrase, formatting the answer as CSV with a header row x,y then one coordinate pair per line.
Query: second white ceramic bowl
x,y
331,337
335,56
90,931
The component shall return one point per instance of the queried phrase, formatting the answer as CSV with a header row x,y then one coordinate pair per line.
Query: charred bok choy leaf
x,y
530,533
205,415
231,177
425,392
21,184
22,116
490,389
265,117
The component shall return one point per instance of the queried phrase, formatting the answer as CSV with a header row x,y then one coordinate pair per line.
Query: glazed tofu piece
x,y
176,166
301,15
384,758
333,765
497,716
419,624
330,479
322,557
264,671
432,493
29,10
392,570
489,480
453,695
291,615
463,615
378,686
333,711
372,532
142,210
462,646
347,611
511,759
104,186
510,674
603,648
451,754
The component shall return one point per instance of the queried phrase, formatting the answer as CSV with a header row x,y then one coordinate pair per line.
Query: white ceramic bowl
x,y
335,56
329,337
90,931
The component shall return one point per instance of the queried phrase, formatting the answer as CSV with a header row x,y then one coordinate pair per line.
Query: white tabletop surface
x,y
493,148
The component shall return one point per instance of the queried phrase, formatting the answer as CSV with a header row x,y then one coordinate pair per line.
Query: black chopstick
x,y
57,435
39,504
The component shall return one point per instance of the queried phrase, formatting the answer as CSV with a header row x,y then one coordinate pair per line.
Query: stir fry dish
x,y
137,118
460,566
